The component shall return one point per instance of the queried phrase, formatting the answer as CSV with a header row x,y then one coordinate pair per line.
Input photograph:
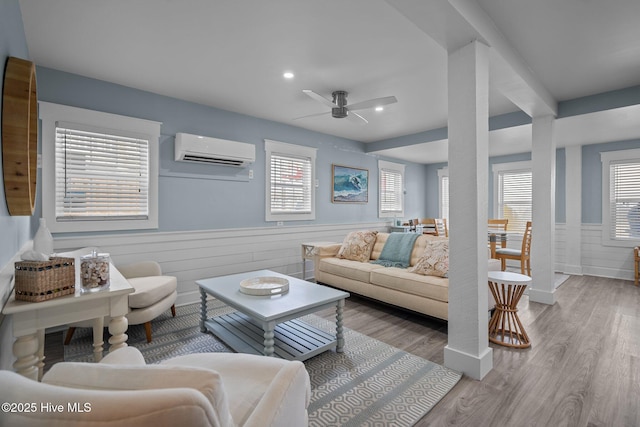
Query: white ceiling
x,y
231,54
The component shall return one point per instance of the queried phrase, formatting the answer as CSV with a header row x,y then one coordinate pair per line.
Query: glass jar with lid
x,y
94,272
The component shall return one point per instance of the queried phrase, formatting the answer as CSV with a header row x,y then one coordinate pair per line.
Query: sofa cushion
x,y
357,245
150,290
346,268
420,246
434,260
381,240
400,279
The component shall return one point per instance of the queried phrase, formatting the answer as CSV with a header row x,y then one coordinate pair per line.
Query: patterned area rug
x,y
371,383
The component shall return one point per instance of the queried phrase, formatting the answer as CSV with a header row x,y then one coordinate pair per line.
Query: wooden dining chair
x,y
434,226
498,224
636,262
441,227
495,224
522,255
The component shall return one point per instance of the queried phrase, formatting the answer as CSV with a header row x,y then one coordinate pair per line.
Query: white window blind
x,y
624,199
515,197
290,176
290,184
100,175
391,189
444,196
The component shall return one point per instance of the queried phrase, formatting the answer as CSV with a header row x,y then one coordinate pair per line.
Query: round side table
x,y
505,327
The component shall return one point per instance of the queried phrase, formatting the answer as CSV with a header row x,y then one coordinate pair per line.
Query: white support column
x,y
543,217
468,348
573,203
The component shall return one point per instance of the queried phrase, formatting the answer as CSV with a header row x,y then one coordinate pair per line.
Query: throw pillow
x,y
434,261
357,246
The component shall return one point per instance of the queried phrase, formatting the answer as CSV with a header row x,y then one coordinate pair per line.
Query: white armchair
x,y
153,295
212,389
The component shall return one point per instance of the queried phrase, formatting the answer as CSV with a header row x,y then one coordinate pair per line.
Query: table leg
x,y
269,341
117,328
25,350
339,330
40,364
98,338
492,244
203,310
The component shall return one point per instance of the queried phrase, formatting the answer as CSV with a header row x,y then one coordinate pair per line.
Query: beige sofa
x,y
397,286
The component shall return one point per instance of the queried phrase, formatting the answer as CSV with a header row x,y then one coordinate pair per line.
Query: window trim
x,y
442,173
292,150
503,167
606,157
396,167
50,115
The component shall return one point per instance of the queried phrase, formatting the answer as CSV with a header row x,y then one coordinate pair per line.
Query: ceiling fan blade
x,y
313,115
372,103
355,117
321,99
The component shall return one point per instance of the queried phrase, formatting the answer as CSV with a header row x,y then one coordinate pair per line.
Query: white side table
x,y
30,319
505,327
307,253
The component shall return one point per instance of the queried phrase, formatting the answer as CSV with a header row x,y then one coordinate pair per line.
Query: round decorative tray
x,y
264,286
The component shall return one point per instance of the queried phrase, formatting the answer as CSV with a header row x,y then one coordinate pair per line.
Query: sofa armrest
x,y
285,402
124,356
327,250
177,406
109,377
320,252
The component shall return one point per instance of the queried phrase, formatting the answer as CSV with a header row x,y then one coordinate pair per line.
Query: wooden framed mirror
x,y
20,136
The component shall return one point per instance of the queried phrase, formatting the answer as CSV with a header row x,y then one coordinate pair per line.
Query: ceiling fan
x,y
339,108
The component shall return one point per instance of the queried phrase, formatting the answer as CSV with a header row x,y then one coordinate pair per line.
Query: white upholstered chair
x,y
153,295
208,389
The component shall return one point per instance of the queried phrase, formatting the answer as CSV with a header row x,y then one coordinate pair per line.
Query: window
x,y
513,193
100,170
290,174
621,197
443,193
391,189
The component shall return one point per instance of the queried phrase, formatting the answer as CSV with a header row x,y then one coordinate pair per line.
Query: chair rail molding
x,y
194,255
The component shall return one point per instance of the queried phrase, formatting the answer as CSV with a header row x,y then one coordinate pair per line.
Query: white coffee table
x,y
269,325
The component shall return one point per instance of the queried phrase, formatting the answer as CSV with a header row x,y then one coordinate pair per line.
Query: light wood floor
x,y
583,368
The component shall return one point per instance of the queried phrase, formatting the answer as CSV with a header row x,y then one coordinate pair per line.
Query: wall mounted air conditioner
x,y
203,149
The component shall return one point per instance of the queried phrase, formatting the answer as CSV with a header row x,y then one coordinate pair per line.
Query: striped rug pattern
x,y
370,384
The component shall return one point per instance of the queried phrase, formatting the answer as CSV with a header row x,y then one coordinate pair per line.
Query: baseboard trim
x,y
544,297
476,367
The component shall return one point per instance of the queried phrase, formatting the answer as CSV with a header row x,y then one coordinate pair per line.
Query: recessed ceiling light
x,y
288,75
379,108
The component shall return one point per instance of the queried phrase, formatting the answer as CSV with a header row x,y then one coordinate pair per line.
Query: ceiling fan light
x,y
379,108
288,75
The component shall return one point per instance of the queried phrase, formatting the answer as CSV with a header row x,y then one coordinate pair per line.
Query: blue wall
x,y
199,197
432,183
15,231
592,177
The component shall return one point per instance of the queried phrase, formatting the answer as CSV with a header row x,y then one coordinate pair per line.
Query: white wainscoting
x,y
195,255
604,261
596,260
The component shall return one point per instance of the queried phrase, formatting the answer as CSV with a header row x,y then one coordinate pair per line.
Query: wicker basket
x,y
44,280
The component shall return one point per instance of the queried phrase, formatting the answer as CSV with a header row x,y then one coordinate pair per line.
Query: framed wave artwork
x,y
350,185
